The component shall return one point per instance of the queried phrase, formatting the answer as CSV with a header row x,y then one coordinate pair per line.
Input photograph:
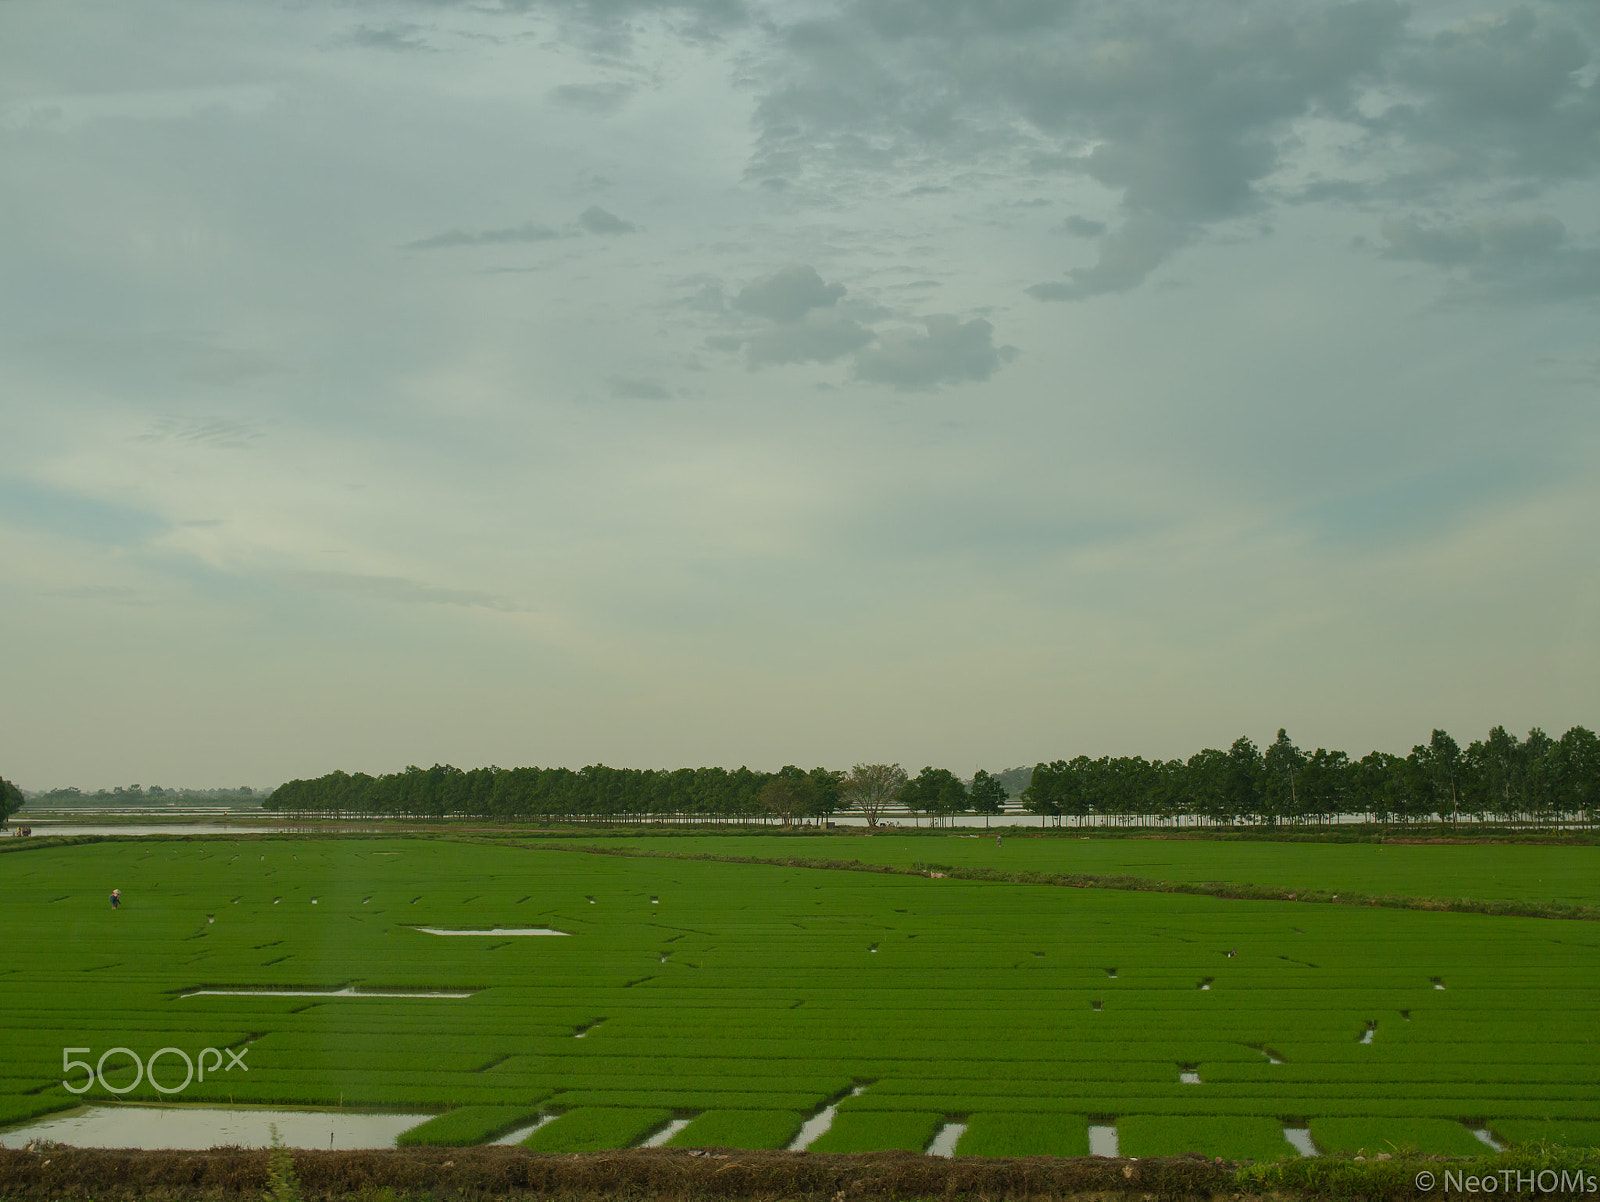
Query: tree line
x,y
1500,776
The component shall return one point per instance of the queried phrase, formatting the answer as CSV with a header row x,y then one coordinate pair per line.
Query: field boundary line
x,y
1082,880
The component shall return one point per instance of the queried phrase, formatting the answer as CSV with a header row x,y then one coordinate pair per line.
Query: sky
x,y
964,382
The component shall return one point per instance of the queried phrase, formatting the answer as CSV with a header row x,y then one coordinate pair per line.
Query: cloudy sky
x,y
964,382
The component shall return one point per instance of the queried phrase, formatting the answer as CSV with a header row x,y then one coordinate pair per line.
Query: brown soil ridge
x,y
221,1174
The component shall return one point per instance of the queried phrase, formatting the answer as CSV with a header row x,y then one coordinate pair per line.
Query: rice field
x,y
1487,871
746,998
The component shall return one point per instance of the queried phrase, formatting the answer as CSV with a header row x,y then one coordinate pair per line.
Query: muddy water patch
x,y
944,1143
815,1127
1103,1141
492,931
347,991
511,1138
196,1128
666,1133
1300,1139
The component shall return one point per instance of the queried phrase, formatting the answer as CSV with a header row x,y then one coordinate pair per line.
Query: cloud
x,y
788,294
1083,227
639,390
400,36
603,99
212,432
598,221
951,351
150,361
1501,95
1456,245
1507,258
1126,256
819,337
530,231
29,505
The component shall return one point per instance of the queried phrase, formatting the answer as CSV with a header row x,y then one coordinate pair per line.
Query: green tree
x,y
786,794
11,799
1045,789
1242,777
869,789
936,792
988,795
1445,768
1281,767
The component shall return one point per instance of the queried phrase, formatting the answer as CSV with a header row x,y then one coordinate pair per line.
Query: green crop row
x,y
1435,1136
596,1129
1238,1138
992,1133
467,1126
878,1132
1573,1133
739,1129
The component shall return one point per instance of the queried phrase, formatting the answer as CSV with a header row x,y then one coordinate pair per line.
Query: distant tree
x,y
1281,765
936,792
826,785
1016,780
987,795
786,794
1045,787
1243,778
1445,767
11,799
869,789
1577,756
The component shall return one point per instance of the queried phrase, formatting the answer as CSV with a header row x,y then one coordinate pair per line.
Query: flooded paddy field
x,y
694,1003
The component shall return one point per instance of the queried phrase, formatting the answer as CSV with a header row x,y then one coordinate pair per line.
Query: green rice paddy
x,y
747,997
1486,871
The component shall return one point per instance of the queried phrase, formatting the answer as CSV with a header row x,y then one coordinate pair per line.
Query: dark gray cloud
x,y
1502,238
821,336
1525,258
1126,256
1500,96
401,36
600,221
950,352
531,231
1182,112
605,99
788,294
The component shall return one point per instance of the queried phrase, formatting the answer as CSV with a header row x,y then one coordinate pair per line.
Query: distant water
x,y
193,1128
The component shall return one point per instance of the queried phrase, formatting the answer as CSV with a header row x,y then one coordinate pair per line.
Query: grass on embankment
x,y
229,1174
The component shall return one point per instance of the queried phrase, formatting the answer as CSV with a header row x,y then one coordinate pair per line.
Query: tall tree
x,y
869,789
1281,767
787,794
1045,789
11,799
1243,778
1444,766
987,795
936,792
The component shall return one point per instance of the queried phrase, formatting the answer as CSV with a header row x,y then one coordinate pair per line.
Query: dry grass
x,y
52,1172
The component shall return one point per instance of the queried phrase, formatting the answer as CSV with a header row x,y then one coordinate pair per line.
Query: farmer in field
x,y
997,840
116,899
